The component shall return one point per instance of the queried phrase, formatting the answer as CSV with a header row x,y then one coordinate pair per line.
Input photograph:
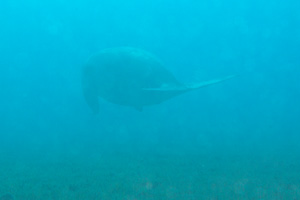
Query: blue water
x,y
235,140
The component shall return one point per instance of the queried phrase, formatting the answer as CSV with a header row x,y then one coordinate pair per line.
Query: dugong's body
x,y
131,77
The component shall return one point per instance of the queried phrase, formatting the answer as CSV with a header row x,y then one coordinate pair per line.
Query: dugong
x,y
131,77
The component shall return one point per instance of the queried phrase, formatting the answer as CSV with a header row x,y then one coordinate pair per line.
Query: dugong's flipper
x,y
91,99
166,92
90,91
189,87
207,83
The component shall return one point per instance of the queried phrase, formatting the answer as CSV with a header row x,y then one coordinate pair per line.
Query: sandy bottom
x,y
148,176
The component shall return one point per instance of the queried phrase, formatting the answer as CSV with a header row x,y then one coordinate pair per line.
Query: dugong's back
x,y
119,75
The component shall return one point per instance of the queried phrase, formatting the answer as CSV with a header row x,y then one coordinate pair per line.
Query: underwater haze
x,y
239,139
